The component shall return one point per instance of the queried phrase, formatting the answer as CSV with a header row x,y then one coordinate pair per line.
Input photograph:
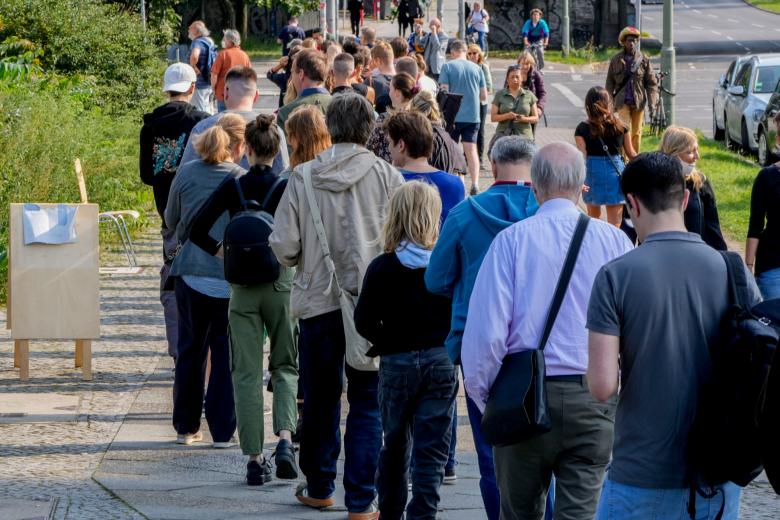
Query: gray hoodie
x,y
352,187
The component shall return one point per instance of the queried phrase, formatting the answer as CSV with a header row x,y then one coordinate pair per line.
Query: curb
x,y
747,2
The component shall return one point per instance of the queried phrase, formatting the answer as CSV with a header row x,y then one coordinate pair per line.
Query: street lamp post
x,y
143,14
566,25
668,59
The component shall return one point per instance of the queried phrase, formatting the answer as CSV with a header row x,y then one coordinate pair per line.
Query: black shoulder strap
x,y
271,191
737,279
563,279
241,198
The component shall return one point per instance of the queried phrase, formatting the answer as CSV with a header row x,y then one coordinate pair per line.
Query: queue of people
x,y
390,281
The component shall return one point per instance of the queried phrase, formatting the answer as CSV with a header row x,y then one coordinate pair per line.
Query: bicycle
x,y
473,37
658,118
537,51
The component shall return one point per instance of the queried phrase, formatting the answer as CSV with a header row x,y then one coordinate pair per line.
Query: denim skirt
x,y
603,181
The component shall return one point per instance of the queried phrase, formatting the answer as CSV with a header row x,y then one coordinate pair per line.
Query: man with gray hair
x,y
203,53
465,238
507,313
230,56
352,187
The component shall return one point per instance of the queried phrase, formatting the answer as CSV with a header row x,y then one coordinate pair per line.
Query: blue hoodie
x,y
463,243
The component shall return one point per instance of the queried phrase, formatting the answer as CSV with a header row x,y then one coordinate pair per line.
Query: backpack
x,y
248,256
724,443
449,104
211,57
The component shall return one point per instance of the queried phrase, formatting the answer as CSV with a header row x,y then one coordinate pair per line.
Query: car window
x,y
730,72
743,76
766,79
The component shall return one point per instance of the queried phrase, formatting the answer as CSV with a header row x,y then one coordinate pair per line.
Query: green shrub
x,y
43,127
94,39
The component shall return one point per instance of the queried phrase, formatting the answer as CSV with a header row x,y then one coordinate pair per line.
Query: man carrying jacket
x,y
464,240
352,188
632,84
164,136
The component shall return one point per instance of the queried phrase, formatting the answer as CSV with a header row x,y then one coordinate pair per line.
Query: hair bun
x,y
264,122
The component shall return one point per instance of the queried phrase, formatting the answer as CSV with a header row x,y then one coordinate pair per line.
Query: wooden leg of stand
x,y
79,352
24,358
16,354
86,359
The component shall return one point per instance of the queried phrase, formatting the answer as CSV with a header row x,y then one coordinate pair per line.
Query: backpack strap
x,y
737,279
241,198
270,192
565,276
319,227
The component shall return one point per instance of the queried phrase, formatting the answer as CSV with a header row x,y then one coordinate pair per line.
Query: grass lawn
x,y
582,56
731,176
257,48
771,5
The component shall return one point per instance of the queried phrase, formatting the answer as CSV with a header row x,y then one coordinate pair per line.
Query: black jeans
x,y
481,135
417,396
354,21
203,323
322,369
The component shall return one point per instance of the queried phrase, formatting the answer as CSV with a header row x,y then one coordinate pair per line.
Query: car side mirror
x,y
722,82
737,90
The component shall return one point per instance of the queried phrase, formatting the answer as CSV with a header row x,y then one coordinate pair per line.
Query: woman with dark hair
x,y
408,10
403,88
603,140
514,108
446,154
256,308
279,74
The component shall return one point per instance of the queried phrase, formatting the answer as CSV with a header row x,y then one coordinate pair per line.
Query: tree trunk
x,y
229,12
598,22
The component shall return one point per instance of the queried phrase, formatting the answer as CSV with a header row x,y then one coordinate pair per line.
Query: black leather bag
x,y
449,105
516,408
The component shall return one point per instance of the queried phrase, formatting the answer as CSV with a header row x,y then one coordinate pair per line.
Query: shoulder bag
x,y
516,409
356,345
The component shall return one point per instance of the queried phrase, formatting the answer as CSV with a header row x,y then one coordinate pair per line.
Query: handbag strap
x,y
563,279
319,227
609,156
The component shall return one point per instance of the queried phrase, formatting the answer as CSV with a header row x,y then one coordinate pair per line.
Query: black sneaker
x,y
284,458
258,473
450,477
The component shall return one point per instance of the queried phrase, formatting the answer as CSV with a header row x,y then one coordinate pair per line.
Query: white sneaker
x,y
189,438
222,445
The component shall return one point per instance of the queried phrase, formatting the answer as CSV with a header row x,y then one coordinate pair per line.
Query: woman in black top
x,y
701,214
762,252
407,326
254,309
603,141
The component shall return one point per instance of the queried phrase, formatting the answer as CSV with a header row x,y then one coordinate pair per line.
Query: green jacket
x,y
319,97
643,83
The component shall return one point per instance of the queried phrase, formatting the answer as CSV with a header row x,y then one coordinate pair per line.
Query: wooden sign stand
x,y
54,290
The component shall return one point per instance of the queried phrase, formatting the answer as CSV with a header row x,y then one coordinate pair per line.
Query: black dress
x,y
701,215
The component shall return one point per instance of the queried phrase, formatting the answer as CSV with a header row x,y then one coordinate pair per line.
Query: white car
x,y
741,97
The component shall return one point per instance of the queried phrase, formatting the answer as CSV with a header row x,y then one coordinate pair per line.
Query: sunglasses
x,y
472,53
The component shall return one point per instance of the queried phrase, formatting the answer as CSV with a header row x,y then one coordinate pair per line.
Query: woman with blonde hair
x,y
446,154
307,134
701,214
202,294
407,326
532,79
475,55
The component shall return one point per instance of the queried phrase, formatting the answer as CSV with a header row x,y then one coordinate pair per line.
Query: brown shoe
x,y
370,513
302,494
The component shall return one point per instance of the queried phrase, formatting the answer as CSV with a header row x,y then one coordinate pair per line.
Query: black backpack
x,y
725,439
248,256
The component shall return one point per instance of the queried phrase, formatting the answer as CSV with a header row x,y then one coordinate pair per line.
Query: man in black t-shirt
x,y
289,33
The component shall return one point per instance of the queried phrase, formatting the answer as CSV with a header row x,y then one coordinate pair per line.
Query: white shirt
x,y
515,286
429,84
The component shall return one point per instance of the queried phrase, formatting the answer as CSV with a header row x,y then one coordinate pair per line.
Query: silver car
x,y
719,96
755,78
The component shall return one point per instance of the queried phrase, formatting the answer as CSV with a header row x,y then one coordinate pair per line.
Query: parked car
x,y
746,99
768,149
719,96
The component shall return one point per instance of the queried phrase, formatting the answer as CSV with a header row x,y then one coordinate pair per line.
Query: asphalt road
x,y
708,35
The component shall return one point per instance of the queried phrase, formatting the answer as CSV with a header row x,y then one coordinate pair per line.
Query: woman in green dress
x,y
514,108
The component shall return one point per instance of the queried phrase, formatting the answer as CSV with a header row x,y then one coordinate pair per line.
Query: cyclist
x,y
477,22
536,36
632,83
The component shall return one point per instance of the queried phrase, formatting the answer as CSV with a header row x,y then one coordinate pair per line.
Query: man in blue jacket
x,y
463,243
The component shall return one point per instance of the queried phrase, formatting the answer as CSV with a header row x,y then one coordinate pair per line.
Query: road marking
x,y
568,94
716,33
650,18
571,69
729,38
697,11
732,20
697,28
576,77
757,25
692,66
712,15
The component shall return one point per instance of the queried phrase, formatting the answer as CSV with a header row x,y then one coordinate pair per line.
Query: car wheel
x,y
728,142
717,133
765,155
745,138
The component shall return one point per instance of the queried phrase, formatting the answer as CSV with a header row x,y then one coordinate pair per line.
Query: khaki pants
x,y
252,310
576,450
633,119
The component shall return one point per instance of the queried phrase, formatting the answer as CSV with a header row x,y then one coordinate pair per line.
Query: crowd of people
x,y
382,277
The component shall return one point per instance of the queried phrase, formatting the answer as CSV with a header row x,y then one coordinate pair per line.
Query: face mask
x,y
687,168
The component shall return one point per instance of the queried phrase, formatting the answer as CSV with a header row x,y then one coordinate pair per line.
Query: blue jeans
x,y
322,368
621,502
221,106
480,37
769,284
487,472
417,397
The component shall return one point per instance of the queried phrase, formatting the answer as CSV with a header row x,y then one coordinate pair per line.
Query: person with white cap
x,y
164,136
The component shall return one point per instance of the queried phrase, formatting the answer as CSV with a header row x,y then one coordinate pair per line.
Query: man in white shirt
x,y
507,312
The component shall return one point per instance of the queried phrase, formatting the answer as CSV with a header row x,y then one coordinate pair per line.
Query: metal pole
x,y
324,16
143,14
461,20
668,58
638,15
566,25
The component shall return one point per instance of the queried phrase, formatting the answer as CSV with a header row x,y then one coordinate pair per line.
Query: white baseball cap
x,y
178,77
